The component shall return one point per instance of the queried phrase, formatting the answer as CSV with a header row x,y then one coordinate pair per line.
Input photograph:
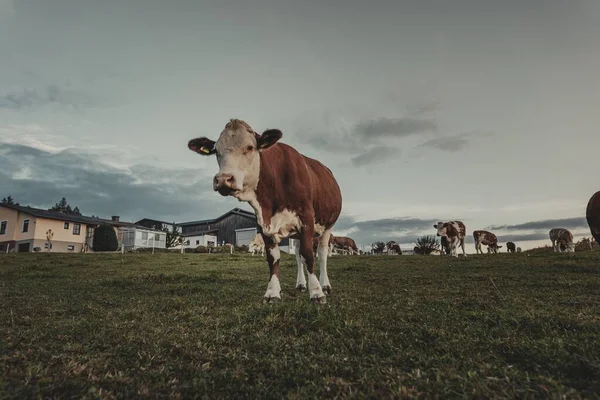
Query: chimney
x,y
115,218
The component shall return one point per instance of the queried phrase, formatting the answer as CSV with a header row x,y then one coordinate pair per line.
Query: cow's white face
x,y
237,151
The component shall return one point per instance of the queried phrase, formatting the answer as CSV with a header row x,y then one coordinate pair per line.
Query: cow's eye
x,y
249,148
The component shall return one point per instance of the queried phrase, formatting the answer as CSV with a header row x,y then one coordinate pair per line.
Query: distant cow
x,y
393,248
510,247
257,245
455,231
562,240
486,238
345,243
592,214
292,195
518,249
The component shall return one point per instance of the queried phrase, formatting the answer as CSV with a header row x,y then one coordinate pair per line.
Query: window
x,y
66,225
144,235
71,247
90,232
26,225
3,227
47,245
157,236
210,243
76,229
197,242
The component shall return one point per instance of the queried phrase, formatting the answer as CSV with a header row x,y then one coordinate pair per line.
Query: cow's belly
x,y
283,224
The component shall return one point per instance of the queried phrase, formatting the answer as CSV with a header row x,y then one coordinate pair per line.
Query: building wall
x,y
57,246
11,217
42,225
203,239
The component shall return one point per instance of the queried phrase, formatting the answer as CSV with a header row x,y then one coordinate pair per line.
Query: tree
x,y
174,237
49,236
426,245
105,239
64,207
9,200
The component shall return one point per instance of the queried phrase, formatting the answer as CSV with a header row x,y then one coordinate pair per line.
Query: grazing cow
x,y
257,245
485,238
393,248
518,249
292,195
455,231
562,240
592,214
345,243
510,247
445,246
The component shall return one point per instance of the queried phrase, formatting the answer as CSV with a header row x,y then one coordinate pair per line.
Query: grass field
x,y
172,325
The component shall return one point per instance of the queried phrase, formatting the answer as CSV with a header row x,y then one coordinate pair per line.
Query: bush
x,y
426,245
105,239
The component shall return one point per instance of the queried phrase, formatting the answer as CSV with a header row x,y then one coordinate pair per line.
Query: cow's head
x,y
442,228
237,151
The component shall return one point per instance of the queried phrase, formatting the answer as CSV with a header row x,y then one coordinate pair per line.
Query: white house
x,y
194,240
132,238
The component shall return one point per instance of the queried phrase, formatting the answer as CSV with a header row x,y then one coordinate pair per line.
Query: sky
x,y
425,111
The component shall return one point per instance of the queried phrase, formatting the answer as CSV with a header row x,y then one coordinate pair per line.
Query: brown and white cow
x,y
393,248
455,231
257,245
292,195
486,238
592,214
345,243
562,240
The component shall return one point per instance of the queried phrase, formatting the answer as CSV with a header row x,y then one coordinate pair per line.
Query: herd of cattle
x,y
298,197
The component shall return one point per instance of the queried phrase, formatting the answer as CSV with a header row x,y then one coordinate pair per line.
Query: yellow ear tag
x,y
204,150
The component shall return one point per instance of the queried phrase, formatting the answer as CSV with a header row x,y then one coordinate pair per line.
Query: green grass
x,y
182,326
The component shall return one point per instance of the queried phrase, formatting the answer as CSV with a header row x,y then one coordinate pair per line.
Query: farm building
x,y
236,226
26,229
136,237
155,224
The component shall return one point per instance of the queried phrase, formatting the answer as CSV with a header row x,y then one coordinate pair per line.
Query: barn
x,y
236,226
225,227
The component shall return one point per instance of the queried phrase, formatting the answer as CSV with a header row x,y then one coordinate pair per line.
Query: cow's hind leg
x,y
301,279
273,255
462,245
323,251
315,291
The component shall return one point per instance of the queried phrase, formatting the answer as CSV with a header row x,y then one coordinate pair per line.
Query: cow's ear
x,y
268,138
202,145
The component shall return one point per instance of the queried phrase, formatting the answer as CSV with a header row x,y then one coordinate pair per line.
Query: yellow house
x,y
25,229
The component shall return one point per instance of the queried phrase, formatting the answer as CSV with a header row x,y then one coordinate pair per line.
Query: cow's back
x,y
592,214
292,181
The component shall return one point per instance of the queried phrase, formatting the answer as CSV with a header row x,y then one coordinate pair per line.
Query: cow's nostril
x,y
230,179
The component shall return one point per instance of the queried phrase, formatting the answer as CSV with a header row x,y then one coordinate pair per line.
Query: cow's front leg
x,y
315,291
462,245
323,251
301,279
273,255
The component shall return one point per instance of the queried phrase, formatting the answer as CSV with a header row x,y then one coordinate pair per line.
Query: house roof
x,y
237,211
199,233
41,213
154,220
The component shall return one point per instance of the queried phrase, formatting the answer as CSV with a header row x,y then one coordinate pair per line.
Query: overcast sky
x,y
484,111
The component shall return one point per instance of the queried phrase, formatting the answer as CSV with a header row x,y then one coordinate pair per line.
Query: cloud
x,y
394,127
50,94
453,143
404,230
523,237
374,155
40,178
568,223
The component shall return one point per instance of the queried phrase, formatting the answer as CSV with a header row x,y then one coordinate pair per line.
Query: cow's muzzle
x,y
224,183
